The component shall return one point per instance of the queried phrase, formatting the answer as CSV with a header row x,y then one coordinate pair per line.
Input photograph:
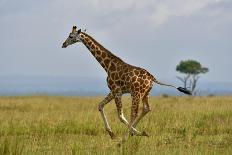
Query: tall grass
x,y
73,125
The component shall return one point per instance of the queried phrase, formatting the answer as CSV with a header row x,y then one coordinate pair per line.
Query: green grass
x,y
73,125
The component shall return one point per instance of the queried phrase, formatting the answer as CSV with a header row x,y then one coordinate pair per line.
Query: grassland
x,y
73,125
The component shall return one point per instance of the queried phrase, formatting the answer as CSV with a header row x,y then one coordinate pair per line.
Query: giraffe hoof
x,y
119,144
132,134
144,134
112,135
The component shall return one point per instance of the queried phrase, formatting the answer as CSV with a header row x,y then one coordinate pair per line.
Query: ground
x,y
73,125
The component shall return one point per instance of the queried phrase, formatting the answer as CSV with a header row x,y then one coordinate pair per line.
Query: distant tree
x,y
191,69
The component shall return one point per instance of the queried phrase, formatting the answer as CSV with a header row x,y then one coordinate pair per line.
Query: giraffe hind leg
x,y
118,103
108,98
134,114
120,113
145,110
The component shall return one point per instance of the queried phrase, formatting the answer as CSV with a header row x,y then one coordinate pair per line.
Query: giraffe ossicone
x,y
121,78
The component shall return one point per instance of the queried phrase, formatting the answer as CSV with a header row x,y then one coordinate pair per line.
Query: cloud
x,y
163,11
105,13
156,12
152,12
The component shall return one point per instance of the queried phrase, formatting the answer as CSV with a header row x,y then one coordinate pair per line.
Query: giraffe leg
x,y
118,102
134,114
146,109
134,118
121,117
108,98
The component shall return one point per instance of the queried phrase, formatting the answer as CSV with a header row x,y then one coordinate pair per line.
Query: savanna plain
x,y
73,125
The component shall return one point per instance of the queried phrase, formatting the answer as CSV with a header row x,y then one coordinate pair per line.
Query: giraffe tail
x,y
181,89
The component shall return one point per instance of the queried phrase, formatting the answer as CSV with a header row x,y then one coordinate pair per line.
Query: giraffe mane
x,y
102,47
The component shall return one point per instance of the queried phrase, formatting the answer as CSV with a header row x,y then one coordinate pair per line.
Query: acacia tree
x,y
191,69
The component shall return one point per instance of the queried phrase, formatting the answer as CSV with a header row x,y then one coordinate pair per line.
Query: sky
x,y
153,34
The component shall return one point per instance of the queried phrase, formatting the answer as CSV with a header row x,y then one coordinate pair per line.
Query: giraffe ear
x,y
79,31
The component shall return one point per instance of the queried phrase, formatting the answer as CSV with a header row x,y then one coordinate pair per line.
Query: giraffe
x,y
122,78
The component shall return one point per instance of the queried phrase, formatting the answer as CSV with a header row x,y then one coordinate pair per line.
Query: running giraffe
x,y
122,78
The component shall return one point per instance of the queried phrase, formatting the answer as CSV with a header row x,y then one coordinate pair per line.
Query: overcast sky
x,y
154,34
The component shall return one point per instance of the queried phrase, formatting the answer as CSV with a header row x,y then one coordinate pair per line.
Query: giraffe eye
x,y
71,37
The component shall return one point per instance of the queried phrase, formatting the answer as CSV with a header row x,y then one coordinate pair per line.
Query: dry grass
x,y
73,125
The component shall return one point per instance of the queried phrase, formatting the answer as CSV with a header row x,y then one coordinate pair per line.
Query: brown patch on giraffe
x,y
142,91
97,48
132,87
89,43
128,78
137,89
116,77
134,78
144,85
98,52
117,82
107,62
136,72
103,54
142,72
113,86
144,77
146,82
149,78
140,80
93,46
81,35
112,67
86,39
126,70
110,82
136,84
114,61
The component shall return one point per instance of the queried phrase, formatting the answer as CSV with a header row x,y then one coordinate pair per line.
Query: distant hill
x,y
73,86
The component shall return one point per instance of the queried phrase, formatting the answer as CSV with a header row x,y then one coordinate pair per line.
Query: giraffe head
x,y
72,38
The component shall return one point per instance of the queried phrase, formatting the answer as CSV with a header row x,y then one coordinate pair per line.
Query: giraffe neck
x,y
102,55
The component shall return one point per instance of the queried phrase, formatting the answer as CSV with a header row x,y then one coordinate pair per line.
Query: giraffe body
x,y
121,78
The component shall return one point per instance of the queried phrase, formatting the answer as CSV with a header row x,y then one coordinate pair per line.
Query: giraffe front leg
x,y
118,102
108,98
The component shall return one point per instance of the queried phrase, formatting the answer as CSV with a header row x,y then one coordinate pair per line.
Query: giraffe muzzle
x,y
64,45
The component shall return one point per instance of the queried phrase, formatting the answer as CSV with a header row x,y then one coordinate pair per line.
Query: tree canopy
x,y
191,67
